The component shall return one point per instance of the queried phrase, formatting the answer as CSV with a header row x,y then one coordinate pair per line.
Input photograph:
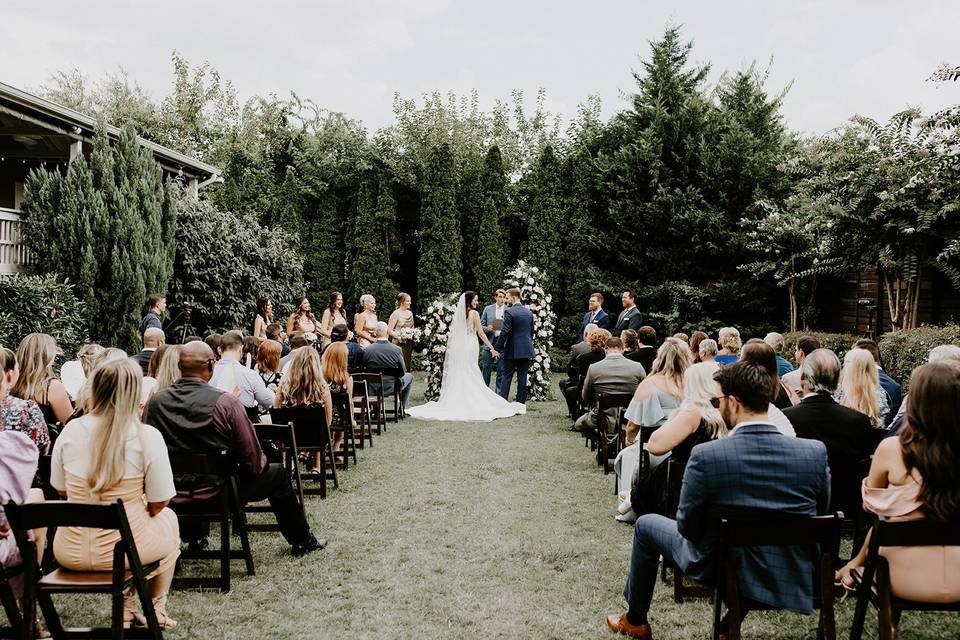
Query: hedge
x,y
40,304
839,343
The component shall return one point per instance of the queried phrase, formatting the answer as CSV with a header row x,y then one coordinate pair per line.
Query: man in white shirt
x,y
230,376
492,313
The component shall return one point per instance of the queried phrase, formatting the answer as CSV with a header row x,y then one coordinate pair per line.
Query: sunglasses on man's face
x,y
716,401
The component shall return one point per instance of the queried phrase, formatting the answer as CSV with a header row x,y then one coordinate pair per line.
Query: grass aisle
x,y
469,530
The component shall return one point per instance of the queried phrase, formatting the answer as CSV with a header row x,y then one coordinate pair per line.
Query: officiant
x,y
492,320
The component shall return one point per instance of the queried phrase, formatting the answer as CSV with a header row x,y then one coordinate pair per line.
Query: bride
x,y
463,396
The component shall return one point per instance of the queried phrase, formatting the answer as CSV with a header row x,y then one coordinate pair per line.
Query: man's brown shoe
x,y
620,624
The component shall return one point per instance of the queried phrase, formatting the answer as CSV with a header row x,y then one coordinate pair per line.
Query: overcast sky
x,y
870,58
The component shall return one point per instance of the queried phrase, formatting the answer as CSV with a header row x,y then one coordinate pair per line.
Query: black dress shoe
x,y
311,545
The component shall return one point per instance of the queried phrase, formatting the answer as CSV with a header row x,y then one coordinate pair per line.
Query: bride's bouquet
x,y
436,327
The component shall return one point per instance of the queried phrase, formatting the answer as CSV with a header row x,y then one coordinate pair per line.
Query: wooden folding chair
x,y
397,375
9,601
681,590
362,413
343,409
374,397
39,590
213,478
757,527
283,439
608,435
313,436
873,580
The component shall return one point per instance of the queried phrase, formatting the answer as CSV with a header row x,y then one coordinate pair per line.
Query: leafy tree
x,y
490,252
368,249
544,245
439,271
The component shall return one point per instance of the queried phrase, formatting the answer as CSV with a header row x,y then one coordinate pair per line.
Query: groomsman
x,y
491,319
596,315
629,318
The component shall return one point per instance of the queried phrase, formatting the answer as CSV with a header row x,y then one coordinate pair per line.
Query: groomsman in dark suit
x,y
629,318
596,315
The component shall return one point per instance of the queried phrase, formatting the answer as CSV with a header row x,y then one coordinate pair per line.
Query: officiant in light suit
x,y
492,319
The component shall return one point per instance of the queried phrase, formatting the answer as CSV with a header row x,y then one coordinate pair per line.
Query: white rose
x,y
530,281
542,333
539,358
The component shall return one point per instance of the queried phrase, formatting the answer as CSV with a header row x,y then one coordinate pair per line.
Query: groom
x,y
515,345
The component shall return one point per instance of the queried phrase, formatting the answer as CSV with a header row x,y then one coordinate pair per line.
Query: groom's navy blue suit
x,y
515,345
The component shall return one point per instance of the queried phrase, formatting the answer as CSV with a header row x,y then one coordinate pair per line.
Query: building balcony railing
x,y
14,256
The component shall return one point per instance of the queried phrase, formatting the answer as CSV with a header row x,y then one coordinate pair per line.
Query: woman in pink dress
x,y
916,476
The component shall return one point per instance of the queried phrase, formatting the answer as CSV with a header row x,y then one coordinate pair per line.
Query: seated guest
x,y
613,374
213,341
18,468
847,433
860,387
298,340
337,374
730,343
912,478
74,372
36,380
275,332
682,337
805,346
661,391
695,339
268,363
250,347
707,350
759,352
340,333
889,385
775,340
572,381
383,354
150,380
753,467
111,354
647,350
108,454
195,417
595,342
152,338
694,422
304,386
17,414
631,342
231,375
937,354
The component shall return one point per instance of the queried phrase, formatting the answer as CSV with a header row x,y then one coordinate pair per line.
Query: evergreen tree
x,y
369,261
545,229
440,264
289,205
324,254
490,262
580,271
471,205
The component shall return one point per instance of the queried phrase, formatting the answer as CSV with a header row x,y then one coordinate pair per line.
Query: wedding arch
x,y
527,279
435,328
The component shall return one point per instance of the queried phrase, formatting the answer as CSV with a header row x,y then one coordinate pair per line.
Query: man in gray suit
x,y
492,313
384,355
613,374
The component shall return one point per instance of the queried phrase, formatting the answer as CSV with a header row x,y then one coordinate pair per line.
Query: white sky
x,y
871,58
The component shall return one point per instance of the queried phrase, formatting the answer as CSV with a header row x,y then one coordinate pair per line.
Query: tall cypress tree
x,y
580,271
439,267
369,261
324,257
545,228
491,250
470,202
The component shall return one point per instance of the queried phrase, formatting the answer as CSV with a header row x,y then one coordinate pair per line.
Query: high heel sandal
x,y
846,581
160,609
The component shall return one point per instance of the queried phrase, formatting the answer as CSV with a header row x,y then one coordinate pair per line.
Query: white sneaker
x,y
629,517
625,506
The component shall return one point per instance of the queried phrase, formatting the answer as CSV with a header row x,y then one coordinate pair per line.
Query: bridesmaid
x,y
365,322
264,317
332,316
402,318
302,319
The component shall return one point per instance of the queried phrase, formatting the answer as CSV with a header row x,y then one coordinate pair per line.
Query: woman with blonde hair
x,y
74,373
365,322
660,392
730,343
303,386
83,398
17,414
402,318
860,387
36,381
696,421
168,370
108,454
337,374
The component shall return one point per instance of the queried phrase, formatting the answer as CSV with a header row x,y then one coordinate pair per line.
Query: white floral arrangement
x,y
527,279
407,334
436,326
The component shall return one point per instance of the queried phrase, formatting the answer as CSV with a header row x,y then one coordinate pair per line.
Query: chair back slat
x,y
64,513
917,533
309,424
184,463
756,528
613,400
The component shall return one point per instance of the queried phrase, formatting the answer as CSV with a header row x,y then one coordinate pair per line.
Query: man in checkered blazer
x,y
755,466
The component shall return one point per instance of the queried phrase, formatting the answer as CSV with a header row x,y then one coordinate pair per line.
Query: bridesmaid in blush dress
x,y
402,318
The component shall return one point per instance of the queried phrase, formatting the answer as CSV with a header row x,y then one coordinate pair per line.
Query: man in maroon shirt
x,y
196,417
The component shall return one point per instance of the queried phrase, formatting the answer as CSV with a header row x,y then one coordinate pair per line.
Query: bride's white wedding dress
x,y
463,396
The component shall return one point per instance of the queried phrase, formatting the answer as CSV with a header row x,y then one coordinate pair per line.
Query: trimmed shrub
x,y
559,359
225,263
903,351
41,304
839,343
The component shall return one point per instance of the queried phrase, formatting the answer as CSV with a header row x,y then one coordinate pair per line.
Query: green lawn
x,y
470,530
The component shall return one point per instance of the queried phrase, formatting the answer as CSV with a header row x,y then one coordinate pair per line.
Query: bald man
x,y
195,417
152,338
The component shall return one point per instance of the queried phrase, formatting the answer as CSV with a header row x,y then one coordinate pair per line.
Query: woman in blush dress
x,y
365,322
303,320
402,318
332,316
264,317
